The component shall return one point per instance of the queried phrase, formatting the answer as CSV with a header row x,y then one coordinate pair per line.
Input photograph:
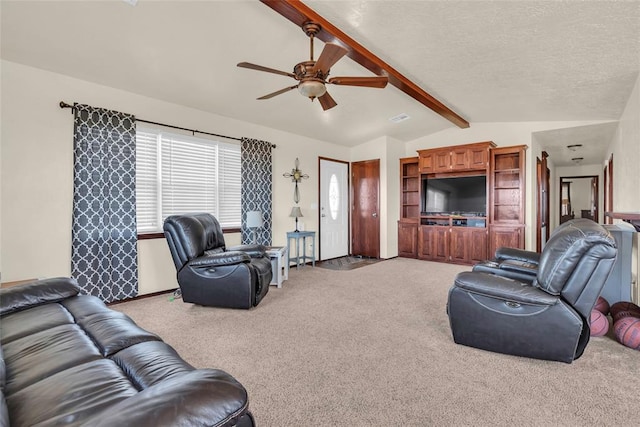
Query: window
x,y
177,174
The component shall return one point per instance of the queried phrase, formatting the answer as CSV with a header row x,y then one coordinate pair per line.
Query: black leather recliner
x,y
547,318
208,272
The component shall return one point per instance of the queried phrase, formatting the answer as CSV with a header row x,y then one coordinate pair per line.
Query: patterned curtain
x,y
255,167
104,256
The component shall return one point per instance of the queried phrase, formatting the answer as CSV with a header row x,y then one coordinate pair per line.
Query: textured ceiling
x,y
489,61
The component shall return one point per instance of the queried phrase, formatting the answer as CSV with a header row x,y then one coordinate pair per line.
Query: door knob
x,y
375,214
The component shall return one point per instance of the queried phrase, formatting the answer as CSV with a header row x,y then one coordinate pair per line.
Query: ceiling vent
x,y
400,118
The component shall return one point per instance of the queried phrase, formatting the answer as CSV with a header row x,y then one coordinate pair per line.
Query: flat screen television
x,y
462,195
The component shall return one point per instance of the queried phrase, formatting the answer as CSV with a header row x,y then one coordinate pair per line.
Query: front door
x,y
365,220
334,208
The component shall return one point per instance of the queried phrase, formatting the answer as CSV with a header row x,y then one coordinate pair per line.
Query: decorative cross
x,y
296,176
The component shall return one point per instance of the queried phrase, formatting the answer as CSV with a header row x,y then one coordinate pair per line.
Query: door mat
x,y
346,263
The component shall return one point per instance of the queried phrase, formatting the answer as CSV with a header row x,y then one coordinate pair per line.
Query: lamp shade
x,y
312,88
254,219
296,212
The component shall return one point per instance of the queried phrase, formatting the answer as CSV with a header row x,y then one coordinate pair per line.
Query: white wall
x,y
504,135
626,156
37,164
626,176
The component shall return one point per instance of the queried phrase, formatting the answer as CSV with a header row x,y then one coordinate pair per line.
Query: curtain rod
x,y
65,105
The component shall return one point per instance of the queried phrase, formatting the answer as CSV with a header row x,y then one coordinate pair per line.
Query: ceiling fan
x,y
313,75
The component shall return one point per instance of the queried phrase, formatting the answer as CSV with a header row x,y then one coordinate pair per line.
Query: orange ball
x,y
627,331
598,323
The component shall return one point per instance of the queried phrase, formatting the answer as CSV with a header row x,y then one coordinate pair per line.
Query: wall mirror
x,y
578,197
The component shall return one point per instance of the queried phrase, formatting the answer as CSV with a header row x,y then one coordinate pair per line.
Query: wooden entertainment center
x,y
461,235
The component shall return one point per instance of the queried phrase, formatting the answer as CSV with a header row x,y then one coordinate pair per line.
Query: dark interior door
x,y
542,214
365,219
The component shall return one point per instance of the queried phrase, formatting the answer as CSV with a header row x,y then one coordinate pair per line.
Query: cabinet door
x,y
477,245
460,158
440,243
459,245
426,162
442,161
478,158
426,240
499,236
407,240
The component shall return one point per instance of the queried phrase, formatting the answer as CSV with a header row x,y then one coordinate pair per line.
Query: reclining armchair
x,y
547,318
208,272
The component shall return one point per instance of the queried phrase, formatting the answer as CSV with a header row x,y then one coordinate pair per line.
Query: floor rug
x,y
347,262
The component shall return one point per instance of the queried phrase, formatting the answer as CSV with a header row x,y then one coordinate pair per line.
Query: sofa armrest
x,y
201,397
505,253
31,294
511,270
503,288
254,251
520,267
220,259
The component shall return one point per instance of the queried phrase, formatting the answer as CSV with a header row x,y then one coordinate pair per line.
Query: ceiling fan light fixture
x,y
312,88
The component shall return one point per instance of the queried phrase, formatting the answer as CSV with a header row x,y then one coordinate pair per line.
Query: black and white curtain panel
x,y
255,167
104,256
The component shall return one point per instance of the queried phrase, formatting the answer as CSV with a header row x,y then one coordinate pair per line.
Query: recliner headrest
x,y
564,251
190,235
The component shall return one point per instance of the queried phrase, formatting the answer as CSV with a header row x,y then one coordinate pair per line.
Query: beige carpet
x,y
372,347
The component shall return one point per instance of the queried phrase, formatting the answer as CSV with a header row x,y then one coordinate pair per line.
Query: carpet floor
x,y
372,347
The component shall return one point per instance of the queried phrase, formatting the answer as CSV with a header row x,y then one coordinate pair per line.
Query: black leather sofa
x,y
544,318
68,360
208,272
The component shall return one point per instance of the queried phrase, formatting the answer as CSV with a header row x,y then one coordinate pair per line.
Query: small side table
x,y
279,266
301,256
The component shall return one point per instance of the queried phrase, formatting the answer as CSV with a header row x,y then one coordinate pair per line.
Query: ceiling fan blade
x,y
326,101
267,69
377,82
329,56
279,92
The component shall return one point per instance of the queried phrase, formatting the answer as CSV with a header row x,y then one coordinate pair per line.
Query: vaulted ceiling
x,y
489,61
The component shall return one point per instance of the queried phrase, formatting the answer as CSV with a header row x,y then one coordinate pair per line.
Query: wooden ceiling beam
x,y
299,13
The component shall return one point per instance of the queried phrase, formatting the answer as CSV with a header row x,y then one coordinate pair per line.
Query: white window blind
x,y
179,174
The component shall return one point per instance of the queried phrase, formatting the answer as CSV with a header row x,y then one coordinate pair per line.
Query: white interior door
x,y
334,209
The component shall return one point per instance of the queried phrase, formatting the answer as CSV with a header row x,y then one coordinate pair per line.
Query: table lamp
x,y
296,213
254,220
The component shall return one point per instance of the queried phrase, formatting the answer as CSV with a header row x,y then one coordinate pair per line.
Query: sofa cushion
x,y
35,293
71,397
151,362
34,357
27,322
110,330
4,412
204,397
